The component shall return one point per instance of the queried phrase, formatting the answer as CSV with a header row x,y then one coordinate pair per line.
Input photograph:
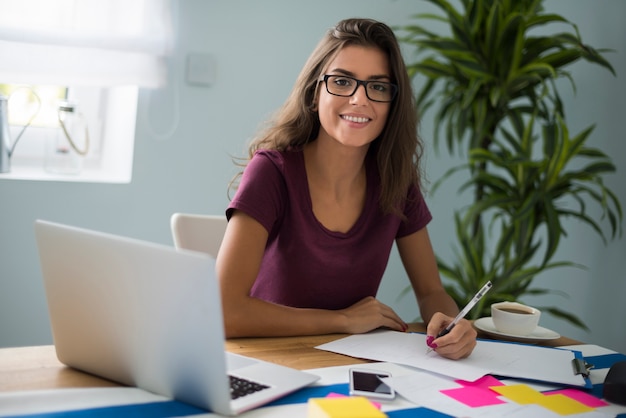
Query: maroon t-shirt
x,y
306,265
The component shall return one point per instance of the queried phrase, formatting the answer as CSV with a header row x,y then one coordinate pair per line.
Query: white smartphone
x,y
364,382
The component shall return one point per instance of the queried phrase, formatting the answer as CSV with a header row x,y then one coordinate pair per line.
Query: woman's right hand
x,y
369,314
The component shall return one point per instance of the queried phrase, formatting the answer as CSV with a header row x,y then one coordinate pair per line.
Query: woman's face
x,y
354,121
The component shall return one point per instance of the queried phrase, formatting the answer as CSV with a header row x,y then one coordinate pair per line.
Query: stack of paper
x,y
489,357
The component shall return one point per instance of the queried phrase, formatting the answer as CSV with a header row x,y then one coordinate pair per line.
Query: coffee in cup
x,y
514,318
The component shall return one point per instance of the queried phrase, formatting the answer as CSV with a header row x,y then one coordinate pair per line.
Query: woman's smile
x,y
354,120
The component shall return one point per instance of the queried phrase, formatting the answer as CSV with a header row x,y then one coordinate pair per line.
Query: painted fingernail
x,y
429,341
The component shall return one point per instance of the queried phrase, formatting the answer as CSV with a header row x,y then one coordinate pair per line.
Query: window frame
x,y
111,113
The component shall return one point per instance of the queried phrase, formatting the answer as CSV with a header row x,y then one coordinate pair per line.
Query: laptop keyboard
x,y
241,387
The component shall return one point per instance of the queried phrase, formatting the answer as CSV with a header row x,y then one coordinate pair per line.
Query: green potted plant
x,y
492,84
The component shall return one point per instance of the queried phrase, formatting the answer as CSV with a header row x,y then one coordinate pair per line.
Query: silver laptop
x,y
150,316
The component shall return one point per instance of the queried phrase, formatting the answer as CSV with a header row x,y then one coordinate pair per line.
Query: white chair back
x,y
195,232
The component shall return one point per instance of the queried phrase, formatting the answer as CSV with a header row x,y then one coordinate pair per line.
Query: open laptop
x,y
150,316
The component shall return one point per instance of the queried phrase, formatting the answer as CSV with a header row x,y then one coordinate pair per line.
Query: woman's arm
x,y
238,264
437,308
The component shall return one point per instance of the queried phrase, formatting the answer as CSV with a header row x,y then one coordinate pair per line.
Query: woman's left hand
x,y
458,343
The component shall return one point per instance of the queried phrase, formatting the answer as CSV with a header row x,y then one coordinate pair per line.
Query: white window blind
x,y
85,42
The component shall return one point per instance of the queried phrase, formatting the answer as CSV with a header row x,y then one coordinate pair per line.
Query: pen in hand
x,y
461,314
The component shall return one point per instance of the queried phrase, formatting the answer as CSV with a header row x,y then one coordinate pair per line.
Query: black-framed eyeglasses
x,y
344,86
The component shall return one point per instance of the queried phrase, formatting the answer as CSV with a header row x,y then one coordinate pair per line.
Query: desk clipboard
x,y
577,375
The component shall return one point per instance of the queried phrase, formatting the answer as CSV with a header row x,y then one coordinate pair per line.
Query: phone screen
x,y
369,383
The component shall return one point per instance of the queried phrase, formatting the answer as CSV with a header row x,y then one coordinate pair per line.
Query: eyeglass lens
x,y
378,91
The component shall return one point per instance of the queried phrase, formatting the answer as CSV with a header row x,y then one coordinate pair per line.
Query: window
x,y
110,115
95,54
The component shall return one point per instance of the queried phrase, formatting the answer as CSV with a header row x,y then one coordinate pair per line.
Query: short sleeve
x,y
261,192
416,212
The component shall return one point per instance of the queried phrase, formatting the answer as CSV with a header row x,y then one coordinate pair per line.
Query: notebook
x,y
150,316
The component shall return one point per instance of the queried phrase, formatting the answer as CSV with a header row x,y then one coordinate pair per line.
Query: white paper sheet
x,y
489,357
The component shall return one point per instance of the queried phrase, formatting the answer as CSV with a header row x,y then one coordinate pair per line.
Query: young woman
x,y
327,189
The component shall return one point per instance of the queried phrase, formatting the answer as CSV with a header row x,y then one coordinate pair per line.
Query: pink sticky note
x,y
484,382
473,396
580,396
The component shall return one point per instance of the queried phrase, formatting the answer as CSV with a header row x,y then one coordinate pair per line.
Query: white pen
x,y
464,312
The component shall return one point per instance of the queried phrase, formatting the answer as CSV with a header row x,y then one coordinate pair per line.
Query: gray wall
x,y
259,48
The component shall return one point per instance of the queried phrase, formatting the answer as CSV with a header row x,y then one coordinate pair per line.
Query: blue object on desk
x,y
143,410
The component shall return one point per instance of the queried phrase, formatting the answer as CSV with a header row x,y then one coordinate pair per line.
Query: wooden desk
x,y
26,368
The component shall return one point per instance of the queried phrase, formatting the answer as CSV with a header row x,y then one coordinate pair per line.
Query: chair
x,y
201,233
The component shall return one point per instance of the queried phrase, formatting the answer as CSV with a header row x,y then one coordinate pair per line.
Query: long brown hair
x,y
397,150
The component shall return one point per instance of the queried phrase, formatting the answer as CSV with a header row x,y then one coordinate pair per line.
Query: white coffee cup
x,y
514,318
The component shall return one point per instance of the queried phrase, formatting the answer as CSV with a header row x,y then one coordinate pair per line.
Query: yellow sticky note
x,y
522,394
563,405
349,407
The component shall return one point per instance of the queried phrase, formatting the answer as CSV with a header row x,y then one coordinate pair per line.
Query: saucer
x,y
539,334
